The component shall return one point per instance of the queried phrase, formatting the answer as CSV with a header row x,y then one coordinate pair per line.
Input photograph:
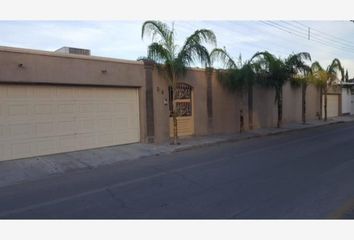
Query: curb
x,y
180,149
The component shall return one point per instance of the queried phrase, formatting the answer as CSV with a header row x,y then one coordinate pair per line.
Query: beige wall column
x,y
210,102
149,97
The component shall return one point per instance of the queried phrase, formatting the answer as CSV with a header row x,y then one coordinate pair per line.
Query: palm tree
x,y
346,77
172,61
272,72
300,75
326,78
318,77
236,77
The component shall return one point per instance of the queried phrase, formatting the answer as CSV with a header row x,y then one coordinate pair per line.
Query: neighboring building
x,y
52,102
348,97
71,50
334,101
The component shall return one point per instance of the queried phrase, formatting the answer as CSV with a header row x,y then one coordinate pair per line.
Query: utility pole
x,y
308,33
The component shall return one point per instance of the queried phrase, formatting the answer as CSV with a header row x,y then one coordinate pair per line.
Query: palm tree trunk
x,y
174,112
321,103
304,87
241,111
280,108
325,104
174,117
250,107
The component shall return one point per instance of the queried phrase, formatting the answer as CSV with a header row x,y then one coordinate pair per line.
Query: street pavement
x,y
294,175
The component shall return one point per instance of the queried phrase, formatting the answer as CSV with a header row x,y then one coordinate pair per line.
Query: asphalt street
x,y
307,174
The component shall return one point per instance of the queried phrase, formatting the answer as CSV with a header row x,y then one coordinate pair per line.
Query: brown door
x,y
184,108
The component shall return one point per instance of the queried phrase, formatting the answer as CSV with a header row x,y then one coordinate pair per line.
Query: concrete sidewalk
x,y
29,169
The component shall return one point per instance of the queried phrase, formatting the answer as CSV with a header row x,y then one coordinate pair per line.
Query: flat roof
x,y
66,55
77,56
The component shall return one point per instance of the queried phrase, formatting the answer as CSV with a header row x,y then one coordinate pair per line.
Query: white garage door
x,y
332,106
40,119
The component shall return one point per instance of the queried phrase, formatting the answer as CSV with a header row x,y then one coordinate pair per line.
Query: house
x,y
347,97
68,100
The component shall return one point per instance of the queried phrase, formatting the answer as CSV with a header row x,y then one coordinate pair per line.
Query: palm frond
x,y
267,56
319,79
156,28
316,66
158,53
200,37
334,67
298,69
222,55
194,52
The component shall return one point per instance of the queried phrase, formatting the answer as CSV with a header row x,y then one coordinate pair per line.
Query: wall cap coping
x,y
84,57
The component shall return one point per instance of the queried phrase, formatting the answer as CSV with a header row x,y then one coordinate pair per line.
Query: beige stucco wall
x,y
161,111
313,97
197,79
50,67
226,109
264,108
226,106
292,103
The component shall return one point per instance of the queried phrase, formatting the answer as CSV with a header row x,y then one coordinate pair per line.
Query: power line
x,y
301,35
327,35
276,48
259,47
326,40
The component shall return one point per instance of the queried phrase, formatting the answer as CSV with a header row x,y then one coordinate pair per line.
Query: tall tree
x,y
238,76
300,75
326,79
172,61
272,72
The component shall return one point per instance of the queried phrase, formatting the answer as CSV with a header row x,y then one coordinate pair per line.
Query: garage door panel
x,y
85,141
85,125
65,93
17,91
65,127
21,131
104,107
104,139
22,149
42,91
41,109
5,150
18,109
53,119
2,131
127,137
44,129
67,144
86,107
66,108
46,146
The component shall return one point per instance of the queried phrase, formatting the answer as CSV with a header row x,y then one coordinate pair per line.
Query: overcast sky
x,y
122,39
